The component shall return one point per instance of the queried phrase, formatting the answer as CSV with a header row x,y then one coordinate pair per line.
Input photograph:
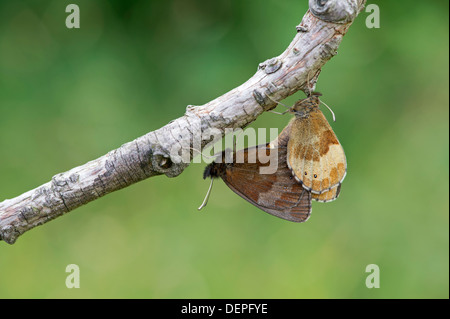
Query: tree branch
x,y
317,40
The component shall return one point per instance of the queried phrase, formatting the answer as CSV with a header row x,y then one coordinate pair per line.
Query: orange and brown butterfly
x,y
314,154
278,194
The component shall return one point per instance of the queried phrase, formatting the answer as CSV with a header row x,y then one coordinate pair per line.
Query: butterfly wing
x,y
327,196
278,194
315,156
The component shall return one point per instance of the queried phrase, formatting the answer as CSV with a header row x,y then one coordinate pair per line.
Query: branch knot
x,y
336,11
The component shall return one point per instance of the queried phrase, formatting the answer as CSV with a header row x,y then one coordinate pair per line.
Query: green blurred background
x,y
70,96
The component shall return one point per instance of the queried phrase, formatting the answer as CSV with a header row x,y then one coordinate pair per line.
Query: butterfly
x,y
278,194
314,154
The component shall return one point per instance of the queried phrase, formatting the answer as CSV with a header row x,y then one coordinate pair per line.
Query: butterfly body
x,y
303,108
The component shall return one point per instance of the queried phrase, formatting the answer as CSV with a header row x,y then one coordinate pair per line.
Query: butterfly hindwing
x,y
327,196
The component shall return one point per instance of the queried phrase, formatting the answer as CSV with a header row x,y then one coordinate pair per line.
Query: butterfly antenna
x,y
278,103
279,113
205,201
334,117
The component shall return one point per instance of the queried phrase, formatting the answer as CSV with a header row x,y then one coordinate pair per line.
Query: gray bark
x,y
316,41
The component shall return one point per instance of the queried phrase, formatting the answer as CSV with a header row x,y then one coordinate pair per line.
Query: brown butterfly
x,y
314,154
324,197
278,194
